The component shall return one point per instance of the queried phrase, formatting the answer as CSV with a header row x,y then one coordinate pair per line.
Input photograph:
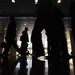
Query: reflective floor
x,y
31,66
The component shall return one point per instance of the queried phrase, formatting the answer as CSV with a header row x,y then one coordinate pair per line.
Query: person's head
x,y
12,17
26,28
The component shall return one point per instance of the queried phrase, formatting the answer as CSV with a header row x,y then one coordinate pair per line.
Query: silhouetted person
x,y
55,32
72,15
10,37
24,41
49,17
39,24
36,39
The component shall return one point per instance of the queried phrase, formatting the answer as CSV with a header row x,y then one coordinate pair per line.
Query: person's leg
x,y
7,48
16,46
23,49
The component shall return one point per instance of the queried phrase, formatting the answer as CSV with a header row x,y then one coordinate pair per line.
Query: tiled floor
x,y
32,66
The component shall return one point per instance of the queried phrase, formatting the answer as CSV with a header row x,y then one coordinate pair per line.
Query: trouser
x,y
8,46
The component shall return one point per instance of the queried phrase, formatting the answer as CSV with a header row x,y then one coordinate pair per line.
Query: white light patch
x,y
36,1
25,24
19,43
59,1
13,1
42,58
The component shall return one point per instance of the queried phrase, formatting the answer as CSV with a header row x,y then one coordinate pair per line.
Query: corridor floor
x,y
32,66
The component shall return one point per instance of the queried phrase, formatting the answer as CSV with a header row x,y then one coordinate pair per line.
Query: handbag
x,y
3,44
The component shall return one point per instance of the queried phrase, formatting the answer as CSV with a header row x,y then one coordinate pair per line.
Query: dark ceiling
x,y
27,7
20,7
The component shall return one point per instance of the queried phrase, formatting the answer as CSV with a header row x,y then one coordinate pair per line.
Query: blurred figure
x,y
36,36
36,39
56,33
10,37
24,41
51,19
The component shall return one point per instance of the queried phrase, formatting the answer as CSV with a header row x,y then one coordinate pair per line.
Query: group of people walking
x,y
11,40
49,17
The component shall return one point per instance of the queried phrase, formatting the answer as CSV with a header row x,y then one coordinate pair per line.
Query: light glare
x,y
36,1
59,1
13,1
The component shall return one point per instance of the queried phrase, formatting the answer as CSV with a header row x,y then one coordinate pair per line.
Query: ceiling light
x,y
13,1
59,1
